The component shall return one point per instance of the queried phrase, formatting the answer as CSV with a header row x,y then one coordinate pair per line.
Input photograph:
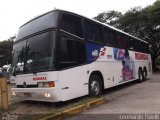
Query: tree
x,y
108,17
6,47
142,23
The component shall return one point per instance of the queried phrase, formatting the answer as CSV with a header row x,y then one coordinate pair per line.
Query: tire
x,y
145,74
140,76
95,86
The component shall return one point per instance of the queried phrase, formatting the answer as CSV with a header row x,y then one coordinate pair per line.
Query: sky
x,y
14,13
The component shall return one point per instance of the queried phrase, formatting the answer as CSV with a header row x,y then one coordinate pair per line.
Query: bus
x,y
61,55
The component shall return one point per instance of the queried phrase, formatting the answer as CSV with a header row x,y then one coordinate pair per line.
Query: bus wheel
x,y
145,74
140,76
95,86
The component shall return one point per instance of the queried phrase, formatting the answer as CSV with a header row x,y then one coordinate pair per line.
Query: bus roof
x,y
111,27
38,17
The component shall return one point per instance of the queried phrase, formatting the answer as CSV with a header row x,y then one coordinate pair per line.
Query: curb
x,y
95,103
75,110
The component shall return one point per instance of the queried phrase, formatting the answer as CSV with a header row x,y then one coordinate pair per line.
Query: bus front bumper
x,y
36,94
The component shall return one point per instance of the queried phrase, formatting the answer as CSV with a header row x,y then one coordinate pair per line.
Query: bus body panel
x,y
86,46
34,92
37,94
74,82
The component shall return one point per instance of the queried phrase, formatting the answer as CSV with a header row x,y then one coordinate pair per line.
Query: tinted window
x,y
89,30
98,36
109,36
93,31
120,40
72,24
67,49
143,47
131,43
44,22
39,53
80,51
71,51
146,48
138,45
19,56
35,54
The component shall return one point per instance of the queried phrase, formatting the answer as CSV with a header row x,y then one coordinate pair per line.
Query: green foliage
x,y
6,52
158,62
108,17
142,23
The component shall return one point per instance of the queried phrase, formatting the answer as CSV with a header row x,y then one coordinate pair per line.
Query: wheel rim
x,y
95,88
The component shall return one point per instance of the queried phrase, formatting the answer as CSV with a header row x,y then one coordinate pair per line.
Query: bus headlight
x,y
13,93
47,95
46,84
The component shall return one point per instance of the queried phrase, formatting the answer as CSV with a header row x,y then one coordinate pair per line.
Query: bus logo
x,y
141,56
102,51
39,78
95,53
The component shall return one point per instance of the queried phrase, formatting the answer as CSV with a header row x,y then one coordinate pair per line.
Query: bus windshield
x,y
34,54
38,24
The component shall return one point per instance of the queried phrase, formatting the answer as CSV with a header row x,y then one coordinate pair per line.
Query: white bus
x,y
61,55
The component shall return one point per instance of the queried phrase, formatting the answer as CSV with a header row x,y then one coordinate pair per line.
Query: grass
x,y
57,107
31,117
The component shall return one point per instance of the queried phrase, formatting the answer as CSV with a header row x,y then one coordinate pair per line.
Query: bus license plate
x,y
27,94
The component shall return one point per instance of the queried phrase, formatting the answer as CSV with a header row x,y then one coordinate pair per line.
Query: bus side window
x,y
71,24
120,41
146,48
98,36
109,37
142,46
71,51
80,52
93,31
131,43
89,30
67,49
137,45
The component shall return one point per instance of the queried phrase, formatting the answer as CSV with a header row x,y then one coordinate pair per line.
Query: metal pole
x,y
4,94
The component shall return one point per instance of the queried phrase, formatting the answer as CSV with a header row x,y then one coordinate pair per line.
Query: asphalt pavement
x,y
138,101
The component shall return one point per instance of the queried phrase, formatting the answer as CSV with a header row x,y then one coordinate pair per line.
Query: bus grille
x,y
28,86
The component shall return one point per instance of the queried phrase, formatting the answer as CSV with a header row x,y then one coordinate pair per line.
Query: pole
x,y
4,94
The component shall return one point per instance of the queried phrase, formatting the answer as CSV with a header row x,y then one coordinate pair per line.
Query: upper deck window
x,y
131,43
120,39
110,37
41,23
93,31
71,24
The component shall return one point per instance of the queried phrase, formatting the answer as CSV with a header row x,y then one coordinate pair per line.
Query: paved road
x,y
141,99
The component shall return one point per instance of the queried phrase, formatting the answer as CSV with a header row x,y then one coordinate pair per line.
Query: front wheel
x,y
95,86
